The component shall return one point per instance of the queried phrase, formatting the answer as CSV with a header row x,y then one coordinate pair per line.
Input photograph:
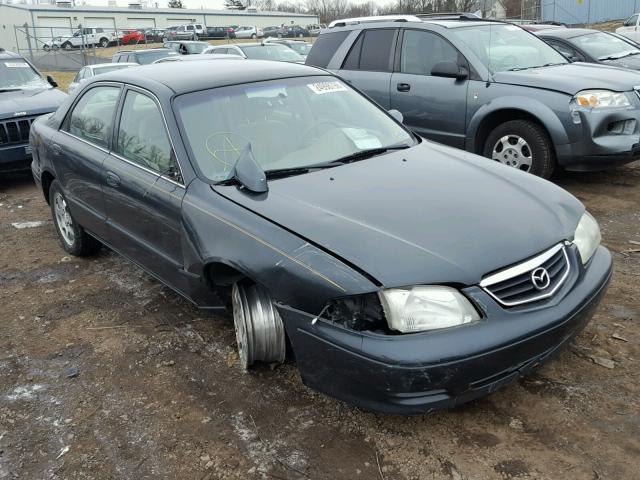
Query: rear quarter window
x,y
325,47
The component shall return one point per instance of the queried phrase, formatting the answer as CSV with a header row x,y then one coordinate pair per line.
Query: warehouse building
x,y
45,21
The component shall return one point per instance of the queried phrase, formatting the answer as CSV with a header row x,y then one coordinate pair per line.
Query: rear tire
x,y
72,236
46,48
104,42
522,144
259,329
67,46
253,36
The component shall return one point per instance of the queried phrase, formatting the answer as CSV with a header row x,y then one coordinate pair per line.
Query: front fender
x,y
528,106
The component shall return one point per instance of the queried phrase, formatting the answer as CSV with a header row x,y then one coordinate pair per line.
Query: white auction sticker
x,y
326,87
16,65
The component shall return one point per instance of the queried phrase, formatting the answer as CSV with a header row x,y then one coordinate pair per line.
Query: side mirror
x,y
51,81
396,114
449,70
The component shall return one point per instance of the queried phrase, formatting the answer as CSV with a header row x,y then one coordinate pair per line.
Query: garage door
x,y
106,23
140,23
49,27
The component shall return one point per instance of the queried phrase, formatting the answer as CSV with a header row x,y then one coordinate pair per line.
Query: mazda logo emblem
x,y
540,278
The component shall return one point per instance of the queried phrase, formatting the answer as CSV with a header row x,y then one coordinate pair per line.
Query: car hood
x,y
29,102
572,78
430,214
632,62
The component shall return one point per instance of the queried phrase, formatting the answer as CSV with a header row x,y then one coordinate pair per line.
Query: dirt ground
x,y
105,373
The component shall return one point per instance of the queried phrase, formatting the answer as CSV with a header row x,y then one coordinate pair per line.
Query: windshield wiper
x,y
517,69
618,57
2,90
364,154
288,172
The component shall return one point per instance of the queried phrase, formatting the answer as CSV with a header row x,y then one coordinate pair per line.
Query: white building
x,y
46,20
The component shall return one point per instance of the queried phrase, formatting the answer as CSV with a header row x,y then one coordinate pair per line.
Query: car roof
x,y
567,32
146,50
183,77
6,54
184,41
98,66
200,56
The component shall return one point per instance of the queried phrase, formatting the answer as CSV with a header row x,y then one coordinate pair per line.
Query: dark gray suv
x,y
490,88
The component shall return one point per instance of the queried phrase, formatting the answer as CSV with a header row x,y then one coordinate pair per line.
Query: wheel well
x,y
220,274
494,119
46,180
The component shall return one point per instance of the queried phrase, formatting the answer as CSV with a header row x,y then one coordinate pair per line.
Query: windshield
x,y
196,47
150,57
16,74
289,123
604,46
272,52
507,47
301,48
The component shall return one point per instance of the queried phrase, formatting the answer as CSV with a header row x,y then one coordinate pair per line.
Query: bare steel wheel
x,y
259,329
513,151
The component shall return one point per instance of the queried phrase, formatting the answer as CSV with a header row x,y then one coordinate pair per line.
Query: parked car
x,y
220,32
448,278
630,28
154,35
187,47
24,95
490,88
249,32
132,37
198,57
91,71
192,31
142,57
85,37
301,47
258,51
539,27
593,46
270,32
314,30
293,31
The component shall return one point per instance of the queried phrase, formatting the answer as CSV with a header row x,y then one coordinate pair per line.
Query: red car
x,y
130,37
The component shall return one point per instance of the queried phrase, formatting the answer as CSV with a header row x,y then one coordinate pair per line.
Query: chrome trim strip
x,y
141,167
516,268
520,268
102,149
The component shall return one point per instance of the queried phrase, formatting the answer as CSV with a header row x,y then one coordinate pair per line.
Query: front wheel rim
x,y
513,151
63,219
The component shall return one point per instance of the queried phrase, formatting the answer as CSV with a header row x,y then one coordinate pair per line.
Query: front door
x,y
433,107
80,148
143,190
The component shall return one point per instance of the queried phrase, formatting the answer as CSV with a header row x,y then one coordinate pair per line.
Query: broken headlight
x,y
426,307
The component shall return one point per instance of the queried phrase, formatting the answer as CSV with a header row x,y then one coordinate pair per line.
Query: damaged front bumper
x,y
422,372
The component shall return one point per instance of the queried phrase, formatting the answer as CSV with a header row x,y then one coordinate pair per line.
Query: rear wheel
x,y
253,35
67,45
104,42
72,236
521,144
46,48
259,328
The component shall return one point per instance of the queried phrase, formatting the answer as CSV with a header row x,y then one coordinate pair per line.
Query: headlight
x,y
601,98
587,237
423,307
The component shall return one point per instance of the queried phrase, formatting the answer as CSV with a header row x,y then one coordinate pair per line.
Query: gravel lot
x,y
104,373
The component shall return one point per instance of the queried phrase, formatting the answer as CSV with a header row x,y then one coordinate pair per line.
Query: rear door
x,y
143,189
79,150
369,63
433,107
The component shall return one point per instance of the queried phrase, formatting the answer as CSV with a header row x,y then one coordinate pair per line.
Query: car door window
x,y
631,21
565,50
142,136
92,117
422,50
375,52
221,50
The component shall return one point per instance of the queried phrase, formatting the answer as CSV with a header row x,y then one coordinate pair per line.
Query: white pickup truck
x,y
84,37
631,28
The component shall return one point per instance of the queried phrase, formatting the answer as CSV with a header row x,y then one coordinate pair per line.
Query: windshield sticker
x,y
16,65
326,87
361,138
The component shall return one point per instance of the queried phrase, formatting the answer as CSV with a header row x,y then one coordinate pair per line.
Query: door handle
x,y
403,87
112,180
56,149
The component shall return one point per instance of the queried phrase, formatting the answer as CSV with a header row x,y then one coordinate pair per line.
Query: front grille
x,y
531,281
15,131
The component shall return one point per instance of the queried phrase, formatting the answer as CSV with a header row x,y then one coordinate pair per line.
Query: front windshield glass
x,y
16,74
301,48
272,52
507,47
289,123
150,57
604,46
